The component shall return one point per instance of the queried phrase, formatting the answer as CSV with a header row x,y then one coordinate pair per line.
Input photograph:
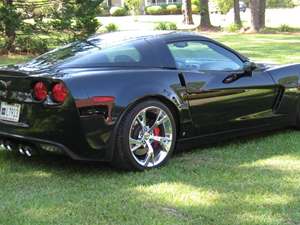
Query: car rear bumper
x,y
60,129
17,143
78,130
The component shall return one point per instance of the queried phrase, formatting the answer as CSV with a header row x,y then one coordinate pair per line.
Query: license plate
x,y
10,112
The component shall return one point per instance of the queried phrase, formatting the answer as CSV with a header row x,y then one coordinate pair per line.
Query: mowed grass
x,y
13,59
253,180
276,48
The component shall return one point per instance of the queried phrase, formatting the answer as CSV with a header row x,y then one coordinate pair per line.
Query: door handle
x,y
233,77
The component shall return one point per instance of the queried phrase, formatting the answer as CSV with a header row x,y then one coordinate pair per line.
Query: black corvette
x,y
130,97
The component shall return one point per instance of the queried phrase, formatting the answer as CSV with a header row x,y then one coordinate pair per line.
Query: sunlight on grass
x,y
179,194
278,48
259,218
284,163
268,199
234,183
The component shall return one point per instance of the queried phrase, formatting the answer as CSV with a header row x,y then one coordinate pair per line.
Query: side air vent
x,y
182,80
278,99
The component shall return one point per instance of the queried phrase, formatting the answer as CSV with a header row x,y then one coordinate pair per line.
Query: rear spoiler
x,y
11,72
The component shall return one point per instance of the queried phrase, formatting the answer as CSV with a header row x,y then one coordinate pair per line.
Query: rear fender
x,y
128,87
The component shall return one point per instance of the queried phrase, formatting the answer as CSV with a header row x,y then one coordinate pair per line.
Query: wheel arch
x,y
171,105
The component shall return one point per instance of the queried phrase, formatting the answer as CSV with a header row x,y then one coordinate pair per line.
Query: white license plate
x,y
10,112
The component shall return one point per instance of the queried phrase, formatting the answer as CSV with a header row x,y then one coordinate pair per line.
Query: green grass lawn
x,y
13,59
278,48
251,181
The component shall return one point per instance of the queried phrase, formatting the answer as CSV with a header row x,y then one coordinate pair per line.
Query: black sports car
x,y
130,97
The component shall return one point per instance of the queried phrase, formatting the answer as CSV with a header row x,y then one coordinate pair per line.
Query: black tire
x,y
297,122
123,157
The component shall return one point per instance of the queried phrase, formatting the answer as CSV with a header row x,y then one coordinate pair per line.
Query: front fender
x,y
287,76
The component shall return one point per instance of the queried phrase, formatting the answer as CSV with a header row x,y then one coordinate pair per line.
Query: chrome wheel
x,y
150,136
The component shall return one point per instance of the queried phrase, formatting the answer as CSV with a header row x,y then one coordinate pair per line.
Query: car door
x,y
221,95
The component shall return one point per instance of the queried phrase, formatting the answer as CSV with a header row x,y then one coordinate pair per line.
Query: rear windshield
x,y
95,54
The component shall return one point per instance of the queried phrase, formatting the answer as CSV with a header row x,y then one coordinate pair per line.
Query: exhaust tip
x,y
2,146
21,150
8,146
28,151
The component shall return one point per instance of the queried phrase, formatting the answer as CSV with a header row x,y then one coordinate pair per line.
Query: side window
x,y
119,55
196,55
122,54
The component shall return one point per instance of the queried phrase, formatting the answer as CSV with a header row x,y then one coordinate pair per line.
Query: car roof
x,y
167,36
123,36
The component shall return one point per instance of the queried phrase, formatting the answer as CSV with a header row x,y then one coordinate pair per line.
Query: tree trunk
x,y
258,8
10,31
187,12
204,13
237,15
109,4
9,41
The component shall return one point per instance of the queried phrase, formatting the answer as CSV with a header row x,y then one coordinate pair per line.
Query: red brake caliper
x,y
156,132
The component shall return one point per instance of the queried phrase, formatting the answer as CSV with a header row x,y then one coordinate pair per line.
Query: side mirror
x,y
249,67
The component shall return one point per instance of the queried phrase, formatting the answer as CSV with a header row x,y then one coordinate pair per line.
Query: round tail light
x,y
40,91
59,93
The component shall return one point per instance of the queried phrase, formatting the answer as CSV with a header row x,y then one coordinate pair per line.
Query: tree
x,y
258,8
237,15
109,3
187,12
10,21
223,6
76,17
205,23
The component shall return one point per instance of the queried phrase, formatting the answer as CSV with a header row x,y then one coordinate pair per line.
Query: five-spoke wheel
x,y
146,137
150,137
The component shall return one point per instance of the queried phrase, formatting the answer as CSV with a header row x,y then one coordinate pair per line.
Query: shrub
x,y
134,6
280,3
222,6
117,11
195,9
173,9
31,44
104,12
154,10
111,27
196,2
103,9
233,28
179,6
285,28
166,26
